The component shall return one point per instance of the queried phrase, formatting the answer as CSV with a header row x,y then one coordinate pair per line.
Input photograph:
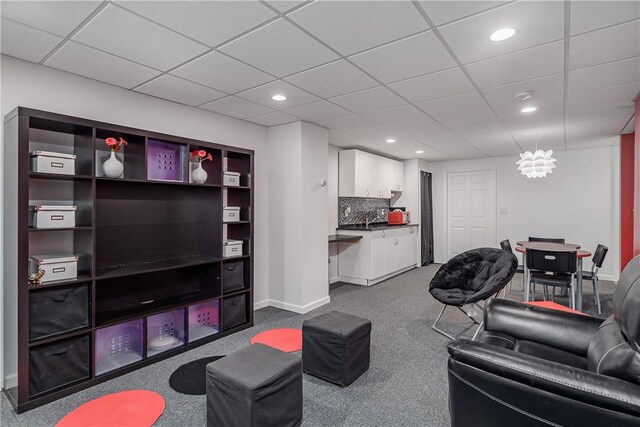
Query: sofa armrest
x,y
562,380
566,331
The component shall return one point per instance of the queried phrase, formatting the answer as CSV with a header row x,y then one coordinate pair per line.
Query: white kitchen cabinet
x,y
379,255
363,174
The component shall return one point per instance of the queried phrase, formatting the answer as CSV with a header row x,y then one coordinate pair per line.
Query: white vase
x,y
112,167
199,175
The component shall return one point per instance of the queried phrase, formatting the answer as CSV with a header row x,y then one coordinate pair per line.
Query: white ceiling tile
x,y
434,85
353,26
341,139
624,109
358,126
631,125
210,22
236,107
606,95
581,143
494,143
24,42
546,108
523,65
606,45
450,144
535,22
417,129
57,17
180,90
318,111
336,78
280,49
284,5
467,118
452,104
442,12
137,39
581,132
376,98
262,95
273,119
592,15
388,116
549,136
474,128
611,74
409,57
85,61
221,72
544,87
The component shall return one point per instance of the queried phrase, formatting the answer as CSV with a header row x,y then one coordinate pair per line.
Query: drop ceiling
x,y
421,72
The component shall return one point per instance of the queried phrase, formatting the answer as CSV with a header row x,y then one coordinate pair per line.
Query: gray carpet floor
x,y
405,385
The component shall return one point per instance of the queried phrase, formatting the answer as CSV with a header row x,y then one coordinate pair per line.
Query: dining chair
x,y
549,268
506,246
597,260
546,239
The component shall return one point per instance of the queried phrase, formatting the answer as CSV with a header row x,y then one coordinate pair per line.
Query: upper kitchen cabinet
x,y
367,175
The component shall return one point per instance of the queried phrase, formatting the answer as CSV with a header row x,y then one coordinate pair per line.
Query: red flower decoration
x,y
115,145
202,155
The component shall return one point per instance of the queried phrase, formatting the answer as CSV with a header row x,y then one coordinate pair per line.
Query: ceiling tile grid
x,y
424,72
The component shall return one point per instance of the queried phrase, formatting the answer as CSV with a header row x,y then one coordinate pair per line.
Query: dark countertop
x,y
342,238
374,227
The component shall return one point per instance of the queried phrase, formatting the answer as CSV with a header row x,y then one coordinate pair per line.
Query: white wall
x,y
298,216
31,85
578,201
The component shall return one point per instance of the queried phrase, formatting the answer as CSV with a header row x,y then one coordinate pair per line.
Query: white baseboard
x,y
371,282
353,280
610,277
257,305
299,308
334,280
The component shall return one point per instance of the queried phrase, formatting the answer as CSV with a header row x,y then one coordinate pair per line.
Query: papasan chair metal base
x,y
469,278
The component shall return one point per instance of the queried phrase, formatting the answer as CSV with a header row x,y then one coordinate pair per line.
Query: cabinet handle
x,y
367,192
383,235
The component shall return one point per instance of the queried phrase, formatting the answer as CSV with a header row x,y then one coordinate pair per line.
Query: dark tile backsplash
x,y
356,210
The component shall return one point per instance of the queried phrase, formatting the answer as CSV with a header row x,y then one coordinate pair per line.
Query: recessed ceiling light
x,y
279,98
523,96
502,34
419,151
390,140
528,109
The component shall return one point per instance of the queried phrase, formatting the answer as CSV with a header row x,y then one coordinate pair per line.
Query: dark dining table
x,y
555,247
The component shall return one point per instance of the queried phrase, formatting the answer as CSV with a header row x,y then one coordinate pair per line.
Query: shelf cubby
x,y
213,167
132,155
64,192
241,163
165,331
118,346
203,319
64,242
125,297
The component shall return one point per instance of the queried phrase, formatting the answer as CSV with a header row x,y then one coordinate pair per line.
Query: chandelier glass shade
x,y
536,165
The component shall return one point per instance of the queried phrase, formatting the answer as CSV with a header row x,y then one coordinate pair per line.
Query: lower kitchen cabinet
x,y
379,255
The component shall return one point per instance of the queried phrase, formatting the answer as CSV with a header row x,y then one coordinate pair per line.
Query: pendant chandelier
x,y
538,164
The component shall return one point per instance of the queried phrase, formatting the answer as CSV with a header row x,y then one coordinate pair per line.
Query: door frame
x,y
493,173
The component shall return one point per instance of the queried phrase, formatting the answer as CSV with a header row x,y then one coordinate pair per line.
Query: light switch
x,y
503,211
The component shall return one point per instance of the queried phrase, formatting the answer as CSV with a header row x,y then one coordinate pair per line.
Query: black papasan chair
x,y
471,277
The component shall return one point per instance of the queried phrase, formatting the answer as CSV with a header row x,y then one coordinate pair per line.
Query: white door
x,y
471,205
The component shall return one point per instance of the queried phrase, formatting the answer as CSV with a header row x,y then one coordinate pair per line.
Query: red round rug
x,y
284,339
133,408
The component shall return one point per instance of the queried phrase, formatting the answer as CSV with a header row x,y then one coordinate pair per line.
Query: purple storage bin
x,y
165,331
117,346
165,161
204,320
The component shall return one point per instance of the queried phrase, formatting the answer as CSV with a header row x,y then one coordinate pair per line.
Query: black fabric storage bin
x,y
57,310
233,276
57,364
234,311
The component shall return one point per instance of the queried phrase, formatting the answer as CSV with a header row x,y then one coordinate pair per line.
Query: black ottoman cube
x,y
336,347
256,386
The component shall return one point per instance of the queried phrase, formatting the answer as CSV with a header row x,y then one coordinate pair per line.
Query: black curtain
x,y
426,219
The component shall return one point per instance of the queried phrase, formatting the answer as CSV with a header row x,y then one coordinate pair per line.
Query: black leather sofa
x,y
534,366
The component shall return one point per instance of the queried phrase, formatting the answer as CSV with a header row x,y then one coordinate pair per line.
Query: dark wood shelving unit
x,y
150,247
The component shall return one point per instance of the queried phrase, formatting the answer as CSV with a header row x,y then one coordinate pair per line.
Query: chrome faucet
x,y
367,221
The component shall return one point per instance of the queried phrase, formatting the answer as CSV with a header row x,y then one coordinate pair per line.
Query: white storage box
x,y
231,214
231,179
50,216
232,248
50,162
56,267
